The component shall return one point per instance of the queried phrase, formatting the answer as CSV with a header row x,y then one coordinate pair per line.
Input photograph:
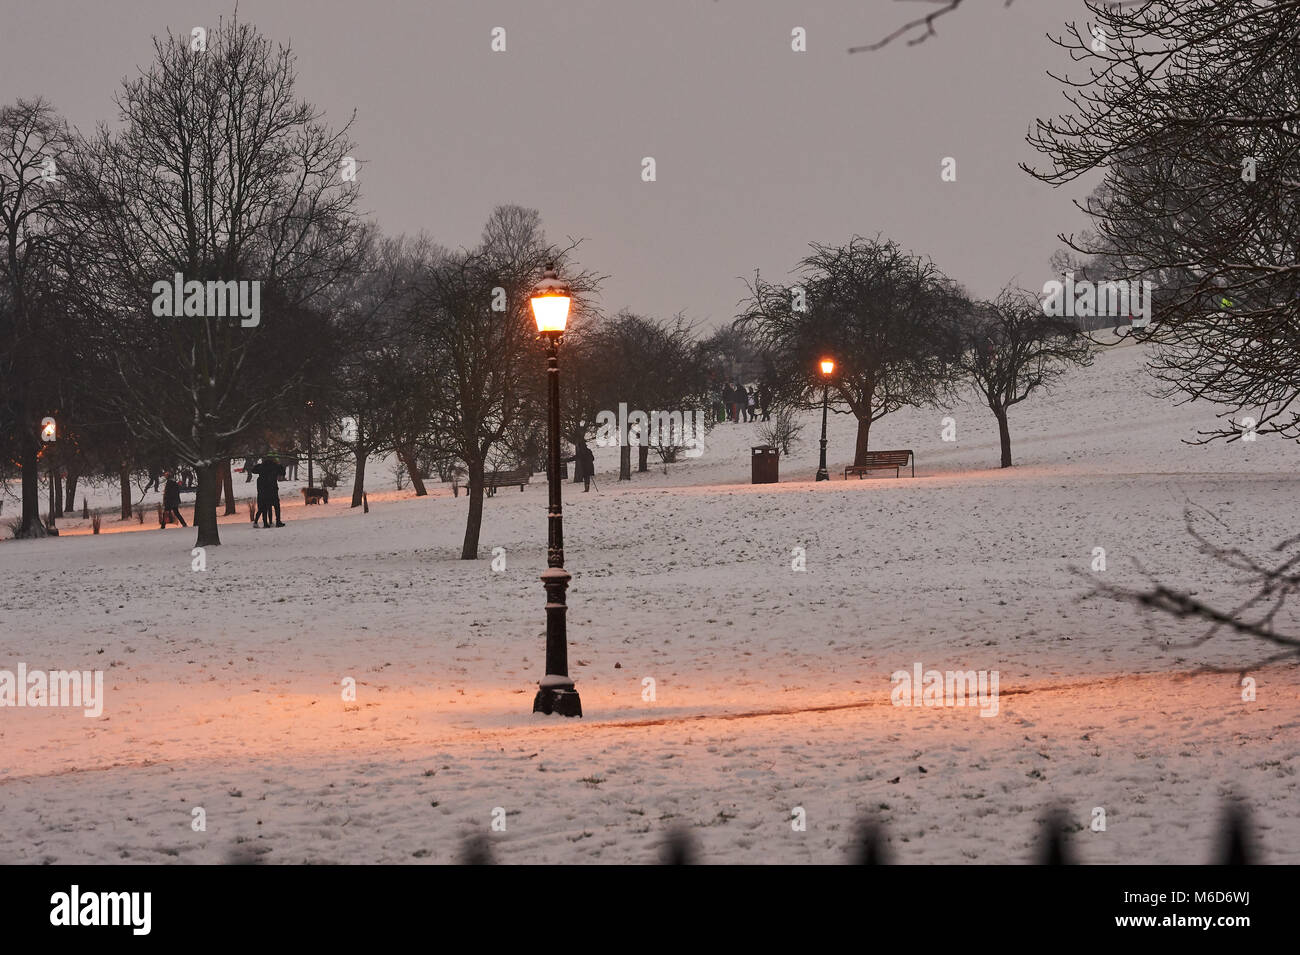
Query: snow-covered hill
x,y
772,685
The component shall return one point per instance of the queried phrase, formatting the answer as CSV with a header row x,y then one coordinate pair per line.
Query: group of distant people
x,y
270,472
739,403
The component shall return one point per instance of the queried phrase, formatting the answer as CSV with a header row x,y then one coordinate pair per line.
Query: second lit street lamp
x,y
828,368
556,692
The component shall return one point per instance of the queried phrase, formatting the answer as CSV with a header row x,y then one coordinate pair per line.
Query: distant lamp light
x,y
49,430
550,302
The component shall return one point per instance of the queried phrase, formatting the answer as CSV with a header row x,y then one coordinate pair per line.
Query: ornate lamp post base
x,y
555,691
561,698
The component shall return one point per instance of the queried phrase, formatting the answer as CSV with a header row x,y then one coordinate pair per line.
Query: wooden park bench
x,y
493,480
882,461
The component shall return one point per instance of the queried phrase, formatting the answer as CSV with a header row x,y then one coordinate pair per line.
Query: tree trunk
x,y
56,490
642,458
124,481
70,492
359,480
228,486
31,526
205,507
1004,433
625,462
475,519
864,434
407,456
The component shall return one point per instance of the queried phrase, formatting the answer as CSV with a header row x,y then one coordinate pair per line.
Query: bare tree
x,y
1192,110
472,327
1262,614
1010,349
376,380
221,174
782,432
651,366
732,353
884,316
34,150
409,412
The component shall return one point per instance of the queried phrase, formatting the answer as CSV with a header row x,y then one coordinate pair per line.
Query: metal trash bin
x,y
763,460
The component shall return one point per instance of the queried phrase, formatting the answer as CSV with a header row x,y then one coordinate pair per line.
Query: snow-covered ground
x,y
772,685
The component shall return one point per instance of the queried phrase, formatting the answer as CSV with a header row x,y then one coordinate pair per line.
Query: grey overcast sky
x,y
759,149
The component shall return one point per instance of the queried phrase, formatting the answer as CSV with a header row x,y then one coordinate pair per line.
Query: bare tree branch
x,y
1255,615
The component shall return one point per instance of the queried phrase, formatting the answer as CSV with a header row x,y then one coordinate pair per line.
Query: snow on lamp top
x,y
550,301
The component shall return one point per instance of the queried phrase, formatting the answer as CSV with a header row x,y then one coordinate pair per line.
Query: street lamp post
x,y
310,411
828,368
49,435
556,692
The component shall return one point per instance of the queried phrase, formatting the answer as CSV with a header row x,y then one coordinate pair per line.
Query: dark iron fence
x,y
871,846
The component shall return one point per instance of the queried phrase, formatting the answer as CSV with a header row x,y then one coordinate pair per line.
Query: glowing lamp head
x,y
550,301
49,430
828,366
